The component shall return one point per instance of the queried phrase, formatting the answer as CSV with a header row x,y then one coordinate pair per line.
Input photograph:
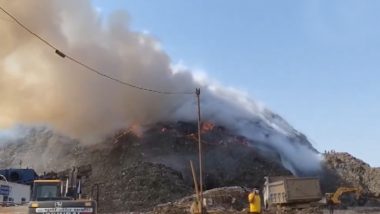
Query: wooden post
x,y
198,92
195,180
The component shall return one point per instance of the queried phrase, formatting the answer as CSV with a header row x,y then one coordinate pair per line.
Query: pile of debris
x,y
218,200
226,200
353,172
137,172
160,159
140,187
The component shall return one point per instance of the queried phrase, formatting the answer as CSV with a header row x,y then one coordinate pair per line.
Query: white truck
x,y
14,193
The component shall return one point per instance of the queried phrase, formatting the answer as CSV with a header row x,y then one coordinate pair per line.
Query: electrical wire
x,y
5,19
63,55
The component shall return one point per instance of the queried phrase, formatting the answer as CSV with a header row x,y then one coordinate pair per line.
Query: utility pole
x,y
198,92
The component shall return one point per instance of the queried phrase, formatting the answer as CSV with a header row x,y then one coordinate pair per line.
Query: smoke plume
x,y
39,87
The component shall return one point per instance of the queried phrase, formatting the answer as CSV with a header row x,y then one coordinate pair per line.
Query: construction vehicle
x,y
347,196
57,196
13,193
291,192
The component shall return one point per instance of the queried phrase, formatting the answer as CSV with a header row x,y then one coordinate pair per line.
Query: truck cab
x,y
44,190
53,197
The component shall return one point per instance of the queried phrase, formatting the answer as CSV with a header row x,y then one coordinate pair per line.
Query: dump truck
x,y
57,196
291,191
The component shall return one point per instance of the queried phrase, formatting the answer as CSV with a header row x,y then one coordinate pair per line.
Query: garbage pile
x,y
353,171
218,200
136,172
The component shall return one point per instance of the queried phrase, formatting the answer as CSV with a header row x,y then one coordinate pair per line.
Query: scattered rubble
x,y
218,200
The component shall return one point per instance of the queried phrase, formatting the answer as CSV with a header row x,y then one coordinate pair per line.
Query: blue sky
x,y
314,62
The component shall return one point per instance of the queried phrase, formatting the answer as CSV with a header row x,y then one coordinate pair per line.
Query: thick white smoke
x,y
38,87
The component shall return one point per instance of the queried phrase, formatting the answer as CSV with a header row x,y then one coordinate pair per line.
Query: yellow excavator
x,y
347,196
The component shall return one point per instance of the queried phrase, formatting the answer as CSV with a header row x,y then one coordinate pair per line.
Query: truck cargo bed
x,y
294,190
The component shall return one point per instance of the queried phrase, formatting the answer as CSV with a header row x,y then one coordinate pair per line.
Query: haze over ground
x,y
314,63
299,63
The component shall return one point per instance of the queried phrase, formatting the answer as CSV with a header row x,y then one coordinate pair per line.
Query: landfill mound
x,y
138,170
353,171
140,187
140,167
41,149
134,164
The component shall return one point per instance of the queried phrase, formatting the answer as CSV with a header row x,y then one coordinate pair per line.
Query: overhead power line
x,y
5,18
63,55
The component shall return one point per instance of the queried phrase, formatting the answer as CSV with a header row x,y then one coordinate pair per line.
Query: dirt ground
x,y
361,210
356,210
14,210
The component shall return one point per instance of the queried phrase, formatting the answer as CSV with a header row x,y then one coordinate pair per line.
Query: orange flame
x,y
207,127
134,129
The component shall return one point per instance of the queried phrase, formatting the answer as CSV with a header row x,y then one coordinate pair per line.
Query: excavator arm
x,y
336,197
